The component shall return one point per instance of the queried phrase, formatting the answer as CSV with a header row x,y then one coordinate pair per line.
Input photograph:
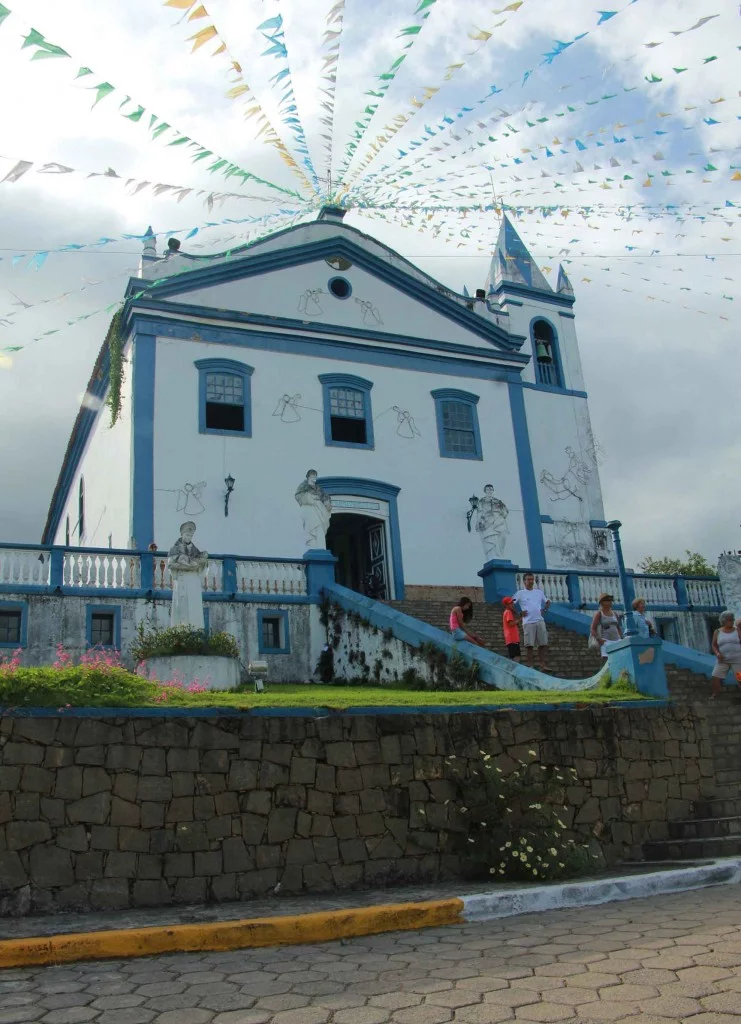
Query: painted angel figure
x,y
186,563
316,510
406,427
491,524
561,487
371,316
189,499
309,302
287,408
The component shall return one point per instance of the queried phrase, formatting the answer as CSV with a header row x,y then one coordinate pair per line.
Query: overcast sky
x,y
657,294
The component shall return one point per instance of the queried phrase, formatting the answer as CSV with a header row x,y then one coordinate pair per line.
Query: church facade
x,y
446,430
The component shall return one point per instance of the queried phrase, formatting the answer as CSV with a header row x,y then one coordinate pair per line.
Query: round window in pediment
x,y
340,287
338,263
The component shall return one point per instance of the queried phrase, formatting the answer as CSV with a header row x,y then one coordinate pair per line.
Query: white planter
x,y
209,670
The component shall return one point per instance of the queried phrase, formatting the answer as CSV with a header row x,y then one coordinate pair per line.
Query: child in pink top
x,y
511,623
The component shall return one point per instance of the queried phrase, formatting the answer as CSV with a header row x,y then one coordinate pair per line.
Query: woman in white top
x,y
605,624
726,647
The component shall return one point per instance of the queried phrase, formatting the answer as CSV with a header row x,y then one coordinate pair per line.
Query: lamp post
x,y
229,481
630,627
474,503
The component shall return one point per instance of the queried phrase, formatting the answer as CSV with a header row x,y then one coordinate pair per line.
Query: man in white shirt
x,y
533,603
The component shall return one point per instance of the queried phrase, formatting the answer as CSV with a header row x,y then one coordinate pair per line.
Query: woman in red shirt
x,y
511,623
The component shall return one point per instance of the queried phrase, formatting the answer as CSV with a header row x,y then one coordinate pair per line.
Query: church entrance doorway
x,y
360,545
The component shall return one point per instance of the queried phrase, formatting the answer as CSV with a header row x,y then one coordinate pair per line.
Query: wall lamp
x,y
229,481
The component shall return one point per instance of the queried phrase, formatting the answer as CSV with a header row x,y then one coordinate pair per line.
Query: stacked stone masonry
x,y
143,811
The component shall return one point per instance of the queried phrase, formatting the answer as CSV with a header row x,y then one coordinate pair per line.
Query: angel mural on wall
x,y
371,316
568,485
287,408
188,498
595,451
309,302
405,425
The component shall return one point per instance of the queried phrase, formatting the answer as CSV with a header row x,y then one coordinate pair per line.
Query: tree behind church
x,y
694,564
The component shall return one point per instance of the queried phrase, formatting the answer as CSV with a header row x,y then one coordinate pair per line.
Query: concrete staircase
x,y
715,828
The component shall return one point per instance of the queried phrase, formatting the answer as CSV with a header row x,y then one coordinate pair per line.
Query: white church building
x,y
447,430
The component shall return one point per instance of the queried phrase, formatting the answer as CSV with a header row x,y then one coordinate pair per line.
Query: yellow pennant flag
x,y
647,183
480,34
181,5
736,176
199,12
202,37
238,90
221,49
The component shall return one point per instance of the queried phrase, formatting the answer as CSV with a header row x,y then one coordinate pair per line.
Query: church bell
x,y
543,352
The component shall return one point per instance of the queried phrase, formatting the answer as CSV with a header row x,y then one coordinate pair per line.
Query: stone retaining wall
x,y
143,810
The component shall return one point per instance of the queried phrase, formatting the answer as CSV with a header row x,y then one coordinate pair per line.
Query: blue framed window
x,y
547,357
13,624
103,625
224,397
272,631
348,421
457,424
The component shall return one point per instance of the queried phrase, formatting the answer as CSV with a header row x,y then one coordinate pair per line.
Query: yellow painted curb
x,y
262,931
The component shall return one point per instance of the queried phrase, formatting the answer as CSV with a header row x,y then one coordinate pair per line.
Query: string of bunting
x,y
240,88
331,42
43,50
20,167
411,33
273,33
447,120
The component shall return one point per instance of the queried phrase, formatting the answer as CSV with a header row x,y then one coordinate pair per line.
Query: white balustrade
x,y
705,592
590,588
271,577
656,591
26,567
553,585
101,570
213,578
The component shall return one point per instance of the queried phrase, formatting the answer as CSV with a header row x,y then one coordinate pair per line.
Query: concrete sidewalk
x,y
289,921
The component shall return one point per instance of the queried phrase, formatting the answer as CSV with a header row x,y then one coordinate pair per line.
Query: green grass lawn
x,y
298,695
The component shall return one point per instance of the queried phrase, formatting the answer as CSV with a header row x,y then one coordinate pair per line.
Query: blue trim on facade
x,y
327,712
557,363
528,483
344,351
382,492
598,524
550,389
22,607
283,627
442,395
109,609
84,423
568,316
255,264
547,519
144,355
533,293
346,380
236,369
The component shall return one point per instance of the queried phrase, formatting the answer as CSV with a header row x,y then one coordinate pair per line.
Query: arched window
x,y
225,405
457,424
81,510
348,422
545,350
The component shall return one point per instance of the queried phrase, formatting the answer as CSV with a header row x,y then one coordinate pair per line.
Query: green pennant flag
x,y
136,116
4,12
160,129
102,90
82,72
45,49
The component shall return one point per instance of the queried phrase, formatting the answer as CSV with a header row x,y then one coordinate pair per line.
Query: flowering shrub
x,y
515,828
152,642
97,680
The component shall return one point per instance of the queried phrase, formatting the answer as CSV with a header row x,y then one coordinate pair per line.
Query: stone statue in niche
x,y
316,511
491,524
186,563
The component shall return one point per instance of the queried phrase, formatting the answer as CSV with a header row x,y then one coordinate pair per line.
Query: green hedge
x,y
152,642
76,686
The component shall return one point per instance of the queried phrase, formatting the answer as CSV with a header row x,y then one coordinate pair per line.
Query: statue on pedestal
x,y
316,511
491,524
186,563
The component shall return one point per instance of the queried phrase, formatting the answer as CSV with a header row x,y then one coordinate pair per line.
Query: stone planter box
x,y
210,670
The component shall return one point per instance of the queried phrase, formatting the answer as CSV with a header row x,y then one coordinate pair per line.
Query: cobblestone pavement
x,y
661,960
